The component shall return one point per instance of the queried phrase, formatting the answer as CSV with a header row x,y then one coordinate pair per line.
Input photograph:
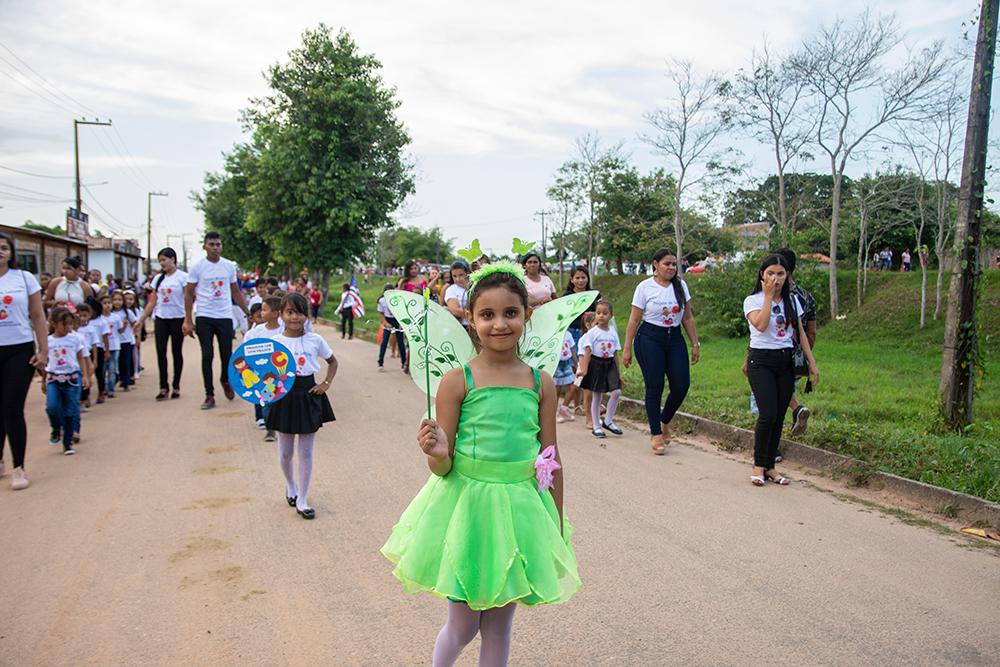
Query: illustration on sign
x,y
262,372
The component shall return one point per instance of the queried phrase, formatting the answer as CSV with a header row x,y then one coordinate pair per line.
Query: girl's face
x,y
106,306
666,268
68,272
602,315
62,327
130,301
499,318
532,266
579,281
775,273
84,316
294,320
5,252
166,263
433,275
460,277
117,302
414,271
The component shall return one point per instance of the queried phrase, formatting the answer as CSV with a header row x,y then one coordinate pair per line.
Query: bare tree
x,y
843,66
566,196
769,100
686,131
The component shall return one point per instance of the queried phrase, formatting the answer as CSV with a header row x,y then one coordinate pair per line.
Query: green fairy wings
x,y
449,346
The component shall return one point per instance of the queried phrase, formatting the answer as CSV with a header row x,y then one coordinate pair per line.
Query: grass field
x,y
877,399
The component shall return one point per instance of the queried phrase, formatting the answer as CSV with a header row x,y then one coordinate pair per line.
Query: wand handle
x,y
427,352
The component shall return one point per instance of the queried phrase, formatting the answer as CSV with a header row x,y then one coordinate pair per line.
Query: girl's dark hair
x,y
528,255
4,236
95,305
605,302
84,308
676,280
588,319
786,298
346,287
296,302
61,314
74,262
169,253
506,280
572,273
460,264
406,269
387,287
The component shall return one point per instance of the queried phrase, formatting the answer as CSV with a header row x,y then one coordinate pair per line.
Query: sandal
x,y
162,396
780,480
659,448
175,394
757,480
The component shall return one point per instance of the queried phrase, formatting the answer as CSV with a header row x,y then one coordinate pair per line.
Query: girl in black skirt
x,y
598,352
306,408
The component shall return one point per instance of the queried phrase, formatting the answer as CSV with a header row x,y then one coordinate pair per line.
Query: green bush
x,y
718,298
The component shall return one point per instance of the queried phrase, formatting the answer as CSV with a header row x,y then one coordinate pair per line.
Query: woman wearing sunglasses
x,y
775,324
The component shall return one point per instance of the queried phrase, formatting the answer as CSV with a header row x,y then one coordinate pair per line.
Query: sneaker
x,y
227,389
270,436
100,400
599,433
18,479
68,451
83,408
800,418
381,369
55,437
613,428
260,424
565,413
209,403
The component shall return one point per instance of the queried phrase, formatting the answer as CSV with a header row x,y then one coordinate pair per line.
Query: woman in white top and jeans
x,y
22,324
769,365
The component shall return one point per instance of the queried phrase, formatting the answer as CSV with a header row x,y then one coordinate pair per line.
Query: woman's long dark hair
x,y
676,280
169,253
572,272
4,236
786,295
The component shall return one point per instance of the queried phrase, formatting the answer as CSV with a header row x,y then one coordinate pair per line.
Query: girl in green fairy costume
x,y
487,531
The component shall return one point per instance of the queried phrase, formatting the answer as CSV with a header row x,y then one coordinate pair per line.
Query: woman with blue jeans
x,y
659,310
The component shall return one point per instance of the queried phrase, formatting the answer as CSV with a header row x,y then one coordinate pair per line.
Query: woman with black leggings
x,y
166,304
659,310
22,323
775,323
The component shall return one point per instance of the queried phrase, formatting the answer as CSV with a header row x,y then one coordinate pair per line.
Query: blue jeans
x,y
111,370
62,403
400,342
261,411
662,351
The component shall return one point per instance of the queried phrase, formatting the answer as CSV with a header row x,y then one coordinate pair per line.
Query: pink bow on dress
x,y
545,467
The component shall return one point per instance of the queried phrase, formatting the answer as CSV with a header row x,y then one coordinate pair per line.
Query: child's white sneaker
x,y
566,414
18,479
260,424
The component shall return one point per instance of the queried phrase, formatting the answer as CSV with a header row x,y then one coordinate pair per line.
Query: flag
x,y
359,307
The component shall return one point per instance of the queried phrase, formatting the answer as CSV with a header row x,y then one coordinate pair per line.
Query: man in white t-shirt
x,y
212,283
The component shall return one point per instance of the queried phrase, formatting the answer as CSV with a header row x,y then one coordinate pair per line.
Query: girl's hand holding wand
x,y
433,440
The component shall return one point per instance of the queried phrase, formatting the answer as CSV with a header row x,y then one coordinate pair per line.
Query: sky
x,y
494,94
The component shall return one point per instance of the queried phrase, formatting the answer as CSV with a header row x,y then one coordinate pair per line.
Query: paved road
x,y
167,541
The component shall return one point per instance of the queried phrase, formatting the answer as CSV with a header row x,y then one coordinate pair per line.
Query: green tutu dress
x,y
483,534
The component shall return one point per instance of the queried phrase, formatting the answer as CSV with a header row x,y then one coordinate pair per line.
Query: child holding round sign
x,y
306,408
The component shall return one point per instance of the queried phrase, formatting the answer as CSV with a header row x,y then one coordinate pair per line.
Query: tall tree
x,y
223,202
874,200
685,131
769,100
959,362
844,65
331,168
568,200
633,211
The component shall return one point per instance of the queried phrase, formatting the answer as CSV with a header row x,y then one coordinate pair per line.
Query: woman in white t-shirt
x,y
774,328
660,308
456,297
166,304
540,287
22,326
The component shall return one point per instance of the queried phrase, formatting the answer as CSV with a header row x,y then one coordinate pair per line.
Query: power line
x,y
28,173
34,192
17,196
66,96
32,90
109,213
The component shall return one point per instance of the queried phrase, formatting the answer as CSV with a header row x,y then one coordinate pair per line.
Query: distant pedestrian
x,y
315,301
906,260
390,328
346,311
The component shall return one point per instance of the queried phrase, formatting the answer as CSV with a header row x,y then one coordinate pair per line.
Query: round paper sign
x,y
262,371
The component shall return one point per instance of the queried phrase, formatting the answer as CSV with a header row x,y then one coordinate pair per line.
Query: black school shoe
x,y
291,500
612,428
308,513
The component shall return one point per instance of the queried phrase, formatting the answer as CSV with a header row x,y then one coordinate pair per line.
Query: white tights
x,y
286,448
595,408
493,626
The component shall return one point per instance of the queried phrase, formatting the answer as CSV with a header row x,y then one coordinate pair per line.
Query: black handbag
x,y
800,365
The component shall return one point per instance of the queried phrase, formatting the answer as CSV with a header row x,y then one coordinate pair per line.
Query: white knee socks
x,y
306,441
493,625
286,449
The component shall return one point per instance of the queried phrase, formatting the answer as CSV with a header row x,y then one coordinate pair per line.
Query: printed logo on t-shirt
x,y
669,314
165,294
781,324
7,299
217,287
605,348
60,354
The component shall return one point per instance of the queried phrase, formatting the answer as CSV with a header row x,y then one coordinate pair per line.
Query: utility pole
x,y
184,246
76,153
958,363
543,214
149,227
